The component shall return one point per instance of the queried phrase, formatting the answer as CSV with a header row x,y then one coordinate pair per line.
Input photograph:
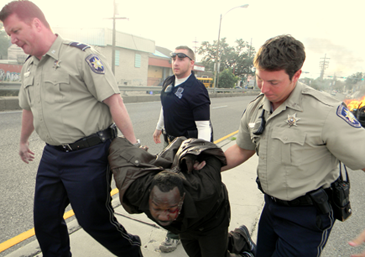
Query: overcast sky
x,y
328,28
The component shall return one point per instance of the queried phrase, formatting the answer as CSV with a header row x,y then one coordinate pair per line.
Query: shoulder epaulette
x,y
320,96
80,46
257,97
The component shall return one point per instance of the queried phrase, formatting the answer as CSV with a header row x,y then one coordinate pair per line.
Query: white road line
x,y
218,107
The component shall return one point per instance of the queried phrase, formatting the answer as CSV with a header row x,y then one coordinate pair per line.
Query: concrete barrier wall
x,y
10,103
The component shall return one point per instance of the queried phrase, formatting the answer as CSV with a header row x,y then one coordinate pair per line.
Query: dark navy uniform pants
x,y
81,178
287,231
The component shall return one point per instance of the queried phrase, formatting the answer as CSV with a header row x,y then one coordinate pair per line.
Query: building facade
x,y
131,52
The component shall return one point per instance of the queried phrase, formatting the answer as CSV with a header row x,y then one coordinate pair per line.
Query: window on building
x,y
137,61
117,55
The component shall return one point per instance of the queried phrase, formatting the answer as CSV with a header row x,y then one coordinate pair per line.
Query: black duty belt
x,y
99,137
300,201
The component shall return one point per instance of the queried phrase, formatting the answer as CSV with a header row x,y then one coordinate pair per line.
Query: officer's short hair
x,y
191,53
282,52
25,10
167,180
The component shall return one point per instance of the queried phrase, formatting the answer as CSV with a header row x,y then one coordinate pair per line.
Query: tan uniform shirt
x,y
64,90
303,141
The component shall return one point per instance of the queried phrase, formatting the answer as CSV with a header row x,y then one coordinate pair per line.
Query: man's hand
x,y
144,147
25,154
358,241
199,165
157,135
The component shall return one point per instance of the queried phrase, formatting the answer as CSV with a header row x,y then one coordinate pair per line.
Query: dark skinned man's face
x,y
165,207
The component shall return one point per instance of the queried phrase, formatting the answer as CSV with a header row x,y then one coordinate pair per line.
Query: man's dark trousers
x,y
299,231
82,178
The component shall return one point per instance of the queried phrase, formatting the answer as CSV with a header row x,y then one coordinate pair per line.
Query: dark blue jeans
x,y
81,178
292,231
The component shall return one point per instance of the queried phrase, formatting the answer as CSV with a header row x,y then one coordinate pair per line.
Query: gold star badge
x,y
97,64
350,116
292,120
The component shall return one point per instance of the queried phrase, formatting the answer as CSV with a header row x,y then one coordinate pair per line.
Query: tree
x,y
4,43
239,58
354,80
227,79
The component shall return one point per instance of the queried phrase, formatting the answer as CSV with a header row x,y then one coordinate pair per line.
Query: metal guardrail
x,y
7,86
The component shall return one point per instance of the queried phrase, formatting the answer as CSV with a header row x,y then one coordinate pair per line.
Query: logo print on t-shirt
x,y
179,92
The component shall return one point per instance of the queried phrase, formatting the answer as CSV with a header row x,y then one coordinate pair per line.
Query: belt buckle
x,y
67,147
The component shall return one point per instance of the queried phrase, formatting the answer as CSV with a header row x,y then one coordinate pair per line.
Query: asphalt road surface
x,y
17,178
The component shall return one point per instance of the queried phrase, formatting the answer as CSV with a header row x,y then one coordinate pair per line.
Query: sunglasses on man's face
x,y
180,55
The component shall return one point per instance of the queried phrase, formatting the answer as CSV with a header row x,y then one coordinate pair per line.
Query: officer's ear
x,y
37,24
296,76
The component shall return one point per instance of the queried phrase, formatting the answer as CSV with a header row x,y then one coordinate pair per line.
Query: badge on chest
x,y
179,92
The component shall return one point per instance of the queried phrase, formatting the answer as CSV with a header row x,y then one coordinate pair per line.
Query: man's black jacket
x,y
206,205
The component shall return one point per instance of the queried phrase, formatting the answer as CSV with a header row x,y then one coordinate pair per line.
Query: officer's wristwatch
x,y
138,144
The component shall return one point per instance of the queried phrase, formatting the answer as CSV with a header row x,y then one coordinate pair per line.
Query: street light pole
x,y
217,56
217,61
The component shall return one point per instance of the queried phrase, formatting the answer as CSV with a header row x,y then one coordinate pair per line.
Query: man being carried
x,y
181,189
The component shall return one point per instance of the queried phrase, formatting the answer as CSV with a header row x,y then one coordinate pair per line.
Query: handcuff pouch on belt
x,y
320,200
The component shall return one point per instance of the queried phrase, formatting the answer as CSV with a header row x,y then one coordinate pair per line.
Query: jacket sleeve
x,y
205,185
132,171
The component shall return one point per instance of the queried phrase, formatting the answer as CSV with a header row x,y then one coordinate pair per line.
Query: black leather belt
x,y
94,139
304,200
300,201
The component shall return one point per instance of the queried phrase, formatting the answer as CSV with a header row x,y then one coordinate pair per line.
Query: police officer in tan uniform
x,y
300,135
70,97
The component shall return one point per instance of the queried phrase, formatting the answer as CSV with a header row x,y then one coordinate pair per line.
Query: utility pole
x,y
195,47
114,33
323,65
249,57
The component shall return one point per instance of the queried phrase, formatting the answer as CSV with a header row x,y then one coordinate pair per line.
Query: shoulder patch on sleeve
x,y
347,116
80,46
95,64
